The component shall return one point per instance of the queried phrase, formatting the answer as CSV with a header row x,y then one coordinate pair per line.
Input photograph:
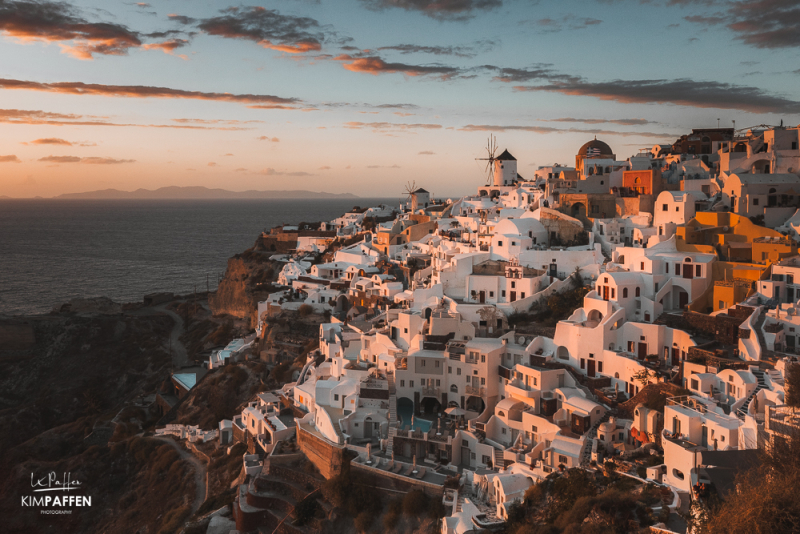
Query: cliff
x,y
248,279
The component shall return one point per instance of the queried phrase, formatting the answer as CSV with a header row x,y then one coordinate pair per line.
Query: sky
x,y
364,96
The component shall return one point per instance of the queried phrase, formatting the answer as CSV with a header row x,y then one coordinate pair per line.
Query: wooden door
x,y
683,299
605,292
483,297
513,296
590,370
642,350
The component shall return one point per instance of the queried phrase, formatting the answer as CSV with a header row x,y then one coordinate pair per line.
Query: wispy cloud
x,y
273,172
567,22
684,92
266,27
761,23
470,50
426,153
382,126
139,91
376,65
551,130
268,138
9,159
29,20
89,161
452,10
50,141
27,116
624,122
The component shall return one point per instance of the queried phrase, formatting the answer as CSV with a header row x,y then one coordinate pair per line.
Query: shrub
x,y
305,310
415,503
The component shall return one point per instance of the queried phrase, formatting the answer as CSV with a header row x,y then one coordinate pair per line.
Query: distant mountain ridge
x,y
197,192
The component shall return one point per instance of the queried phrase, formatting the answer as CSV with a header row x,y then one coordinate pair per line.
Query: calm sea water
x,y
54,250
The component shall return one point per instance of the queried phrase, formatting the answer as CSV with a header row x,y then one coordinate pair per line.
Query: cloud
x,y
567,22
273,172
59,22
50,141
212,164
453,10
324,168
27,116
90,161
624,122
683,92
395,166
551,130
228,154
426,153
354,125
143,5
375,65
268,138
168,47
538,71
452,50
139,91
267,27
760,23
240,169
9,159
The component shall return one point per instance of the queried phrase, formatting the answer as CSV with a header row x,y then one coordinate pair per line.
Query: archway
x,y
430,407
562,353
593,319
761,166
405,409
475,404
578,210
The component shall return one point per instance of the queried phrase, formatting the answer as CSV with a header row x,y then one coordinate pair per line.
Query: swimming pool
x,y
404,413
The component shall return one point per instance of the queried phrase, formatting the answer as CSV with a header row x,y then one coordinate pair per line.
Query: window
x,y
697,270
664,207
449,369
472,455
755,202
522,295
790,279
483,381
591,355
503,293
694,383
631,346
583,363
491,293
638,292
405,330
562,459
595,209
485,459
625,293
422,363
464,443
402,383
499,243
534,429
666,268
438,382
641,265
436,364
411,383
613,293
336,396
483,358
458,371
722,304
503,431
678,269
599,367
513,285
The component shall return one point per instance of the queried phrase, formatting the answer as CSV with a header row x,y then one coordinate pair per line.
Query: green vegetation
x,y
558,307
574,503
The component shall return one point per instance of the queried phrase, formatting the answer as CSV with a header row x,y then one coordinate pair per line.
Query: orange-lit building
x,y
644,182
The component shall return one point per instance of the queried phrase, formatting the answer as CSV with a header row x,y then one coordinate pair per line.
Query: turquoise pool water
x,y
405,412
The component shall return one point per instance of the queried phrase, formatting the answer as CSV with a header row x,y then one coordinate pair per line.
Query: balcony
x,y
477,391
519,389
430,391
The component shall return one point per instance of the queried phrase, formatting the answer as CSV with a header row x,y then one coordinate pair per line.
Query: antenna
x,y
491,148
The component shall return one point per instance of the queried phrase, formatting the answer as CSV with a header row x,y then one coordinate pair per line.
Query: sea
x,y
52,251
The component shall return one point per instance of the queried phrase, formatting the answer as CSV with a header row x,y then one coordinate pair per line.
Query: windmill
x,y
410,188
491,148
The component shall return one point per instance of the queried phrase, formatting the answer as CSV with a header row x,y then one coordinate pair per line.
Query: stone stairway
x,y
766,354
392,414
760,384
499,461
586,452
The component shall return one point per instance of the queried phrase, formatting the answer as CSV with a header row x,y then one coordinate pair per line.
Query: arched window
x,y
637,181
501,414
616,375
638,292
625,292
454,389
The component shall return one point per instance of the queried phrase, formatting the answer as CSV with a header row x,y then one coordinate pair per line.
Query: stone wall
x,y
328,458
394,482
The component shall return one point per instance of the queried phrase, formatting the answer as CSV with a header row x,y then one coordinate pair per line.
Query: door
x,y
513,296
553,270
642,350
465,456
367,429
688,272
675,356
483,297
683,300
590,370
605,292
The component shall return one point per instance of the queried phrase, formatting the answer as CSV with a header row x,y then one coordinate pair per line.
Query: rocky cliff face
x,y
247,281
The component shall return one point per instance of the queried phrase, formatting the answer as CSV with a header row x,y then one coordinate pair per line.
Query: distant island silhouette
x,y
197,192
